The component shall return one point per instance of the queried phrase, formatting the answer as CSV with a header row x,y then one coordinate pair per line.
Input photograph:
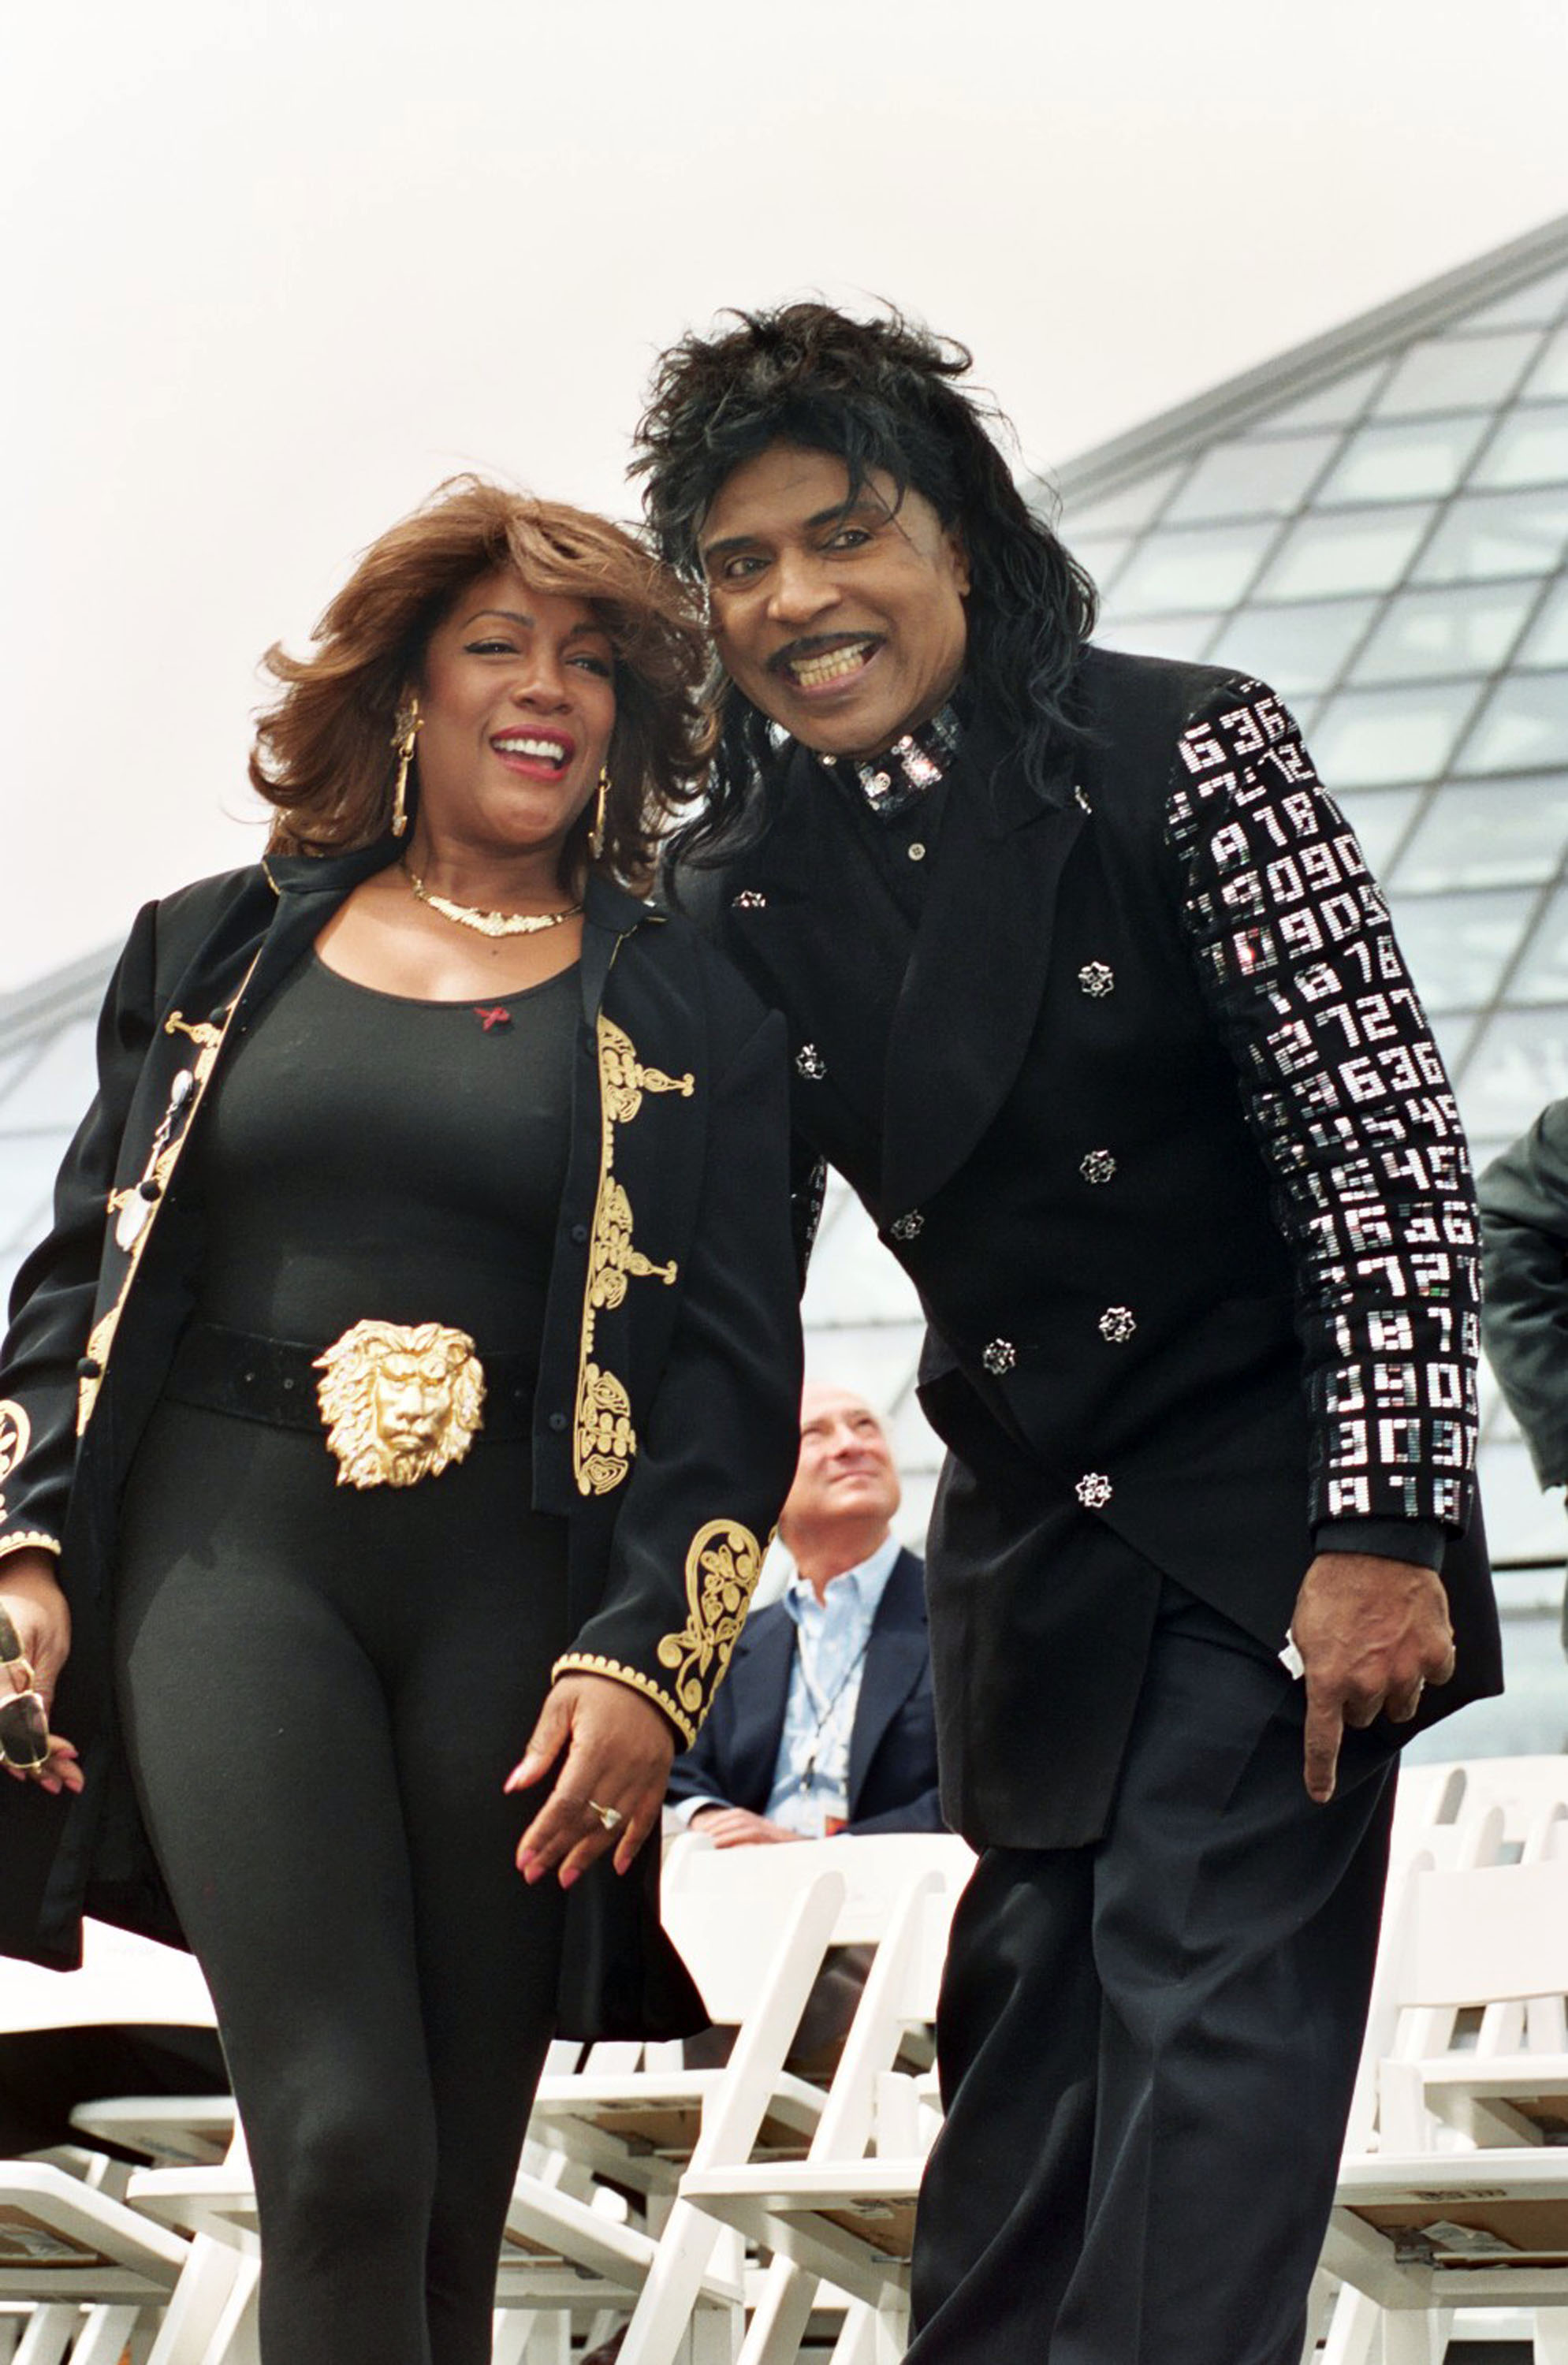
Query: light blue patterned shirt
x,y
811,1775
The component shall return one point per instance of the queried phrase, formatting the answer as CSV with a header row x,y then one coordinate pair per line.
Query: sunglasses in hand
x,y
23,1724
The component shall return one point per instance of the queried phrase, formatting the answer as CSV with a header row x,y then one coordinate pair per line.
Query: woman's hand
x,y
619,1750
35,1627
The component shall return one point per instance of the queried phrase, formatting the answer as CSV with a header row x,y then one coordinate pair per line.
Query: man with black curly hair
x,y
1094,1002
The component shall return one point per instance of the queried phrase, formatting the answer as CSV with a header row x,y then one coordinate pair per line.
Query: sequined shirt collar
x,y
890,783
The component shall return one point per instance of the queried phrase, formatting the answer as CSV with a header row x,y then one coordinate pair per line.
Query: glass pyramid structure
x,y
1376,524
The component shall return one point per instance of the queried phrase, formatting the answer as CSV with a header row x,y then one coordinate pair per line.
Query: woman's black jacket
x,y
666,1425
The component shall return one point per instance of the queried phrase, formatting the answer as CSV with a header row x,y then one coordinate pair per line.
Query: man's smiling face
x,y
843,620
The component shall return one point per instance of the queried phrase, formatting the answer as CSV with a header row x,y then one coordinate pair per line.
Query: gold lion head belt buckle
x,y
399,1401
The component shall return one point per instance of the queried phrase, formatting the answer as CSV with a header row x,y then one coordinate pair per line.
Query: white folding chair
x,y
169,2130
96,2276
631,2114
1429,1799
844,2215
754,1967
713,1915
1521,1786
1395,2028
1384,2112
1461,2203
88,2269
123,1979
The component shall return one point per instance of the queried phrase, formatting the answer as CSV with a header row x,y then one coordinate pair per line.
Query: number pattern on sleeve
x,y
1346,1096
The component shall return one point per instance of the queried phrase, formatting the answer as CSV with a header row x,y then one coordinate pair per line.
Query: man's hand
x,y
730,1827
1373,1633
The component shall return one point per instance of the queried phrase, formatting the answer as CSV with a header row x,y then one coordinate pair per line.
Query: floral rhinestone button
x,y
1117,1324
1094,1490
1096,979
999,1356
1098,1167
810,1063
908,1227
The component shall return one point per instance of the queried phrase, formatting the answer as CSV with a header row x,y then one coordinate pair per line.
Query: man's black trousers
x,y
1147,2045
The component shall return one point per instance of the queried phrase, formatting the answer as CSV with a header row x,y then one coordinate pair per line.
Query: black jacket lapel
x,y
820,936
972,988
904,1053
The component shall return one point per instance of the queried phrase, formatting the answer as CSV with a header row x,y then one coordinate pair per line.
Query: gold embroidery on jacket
x,y
623,1079
721,1570
162,1159
99,1339
29,1539
593,1663
16,1432
612,1259
604,1440
203,1034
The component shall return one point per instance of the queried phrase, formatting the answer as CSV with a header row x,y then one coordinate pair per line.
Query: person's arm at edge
x,y
1524,1318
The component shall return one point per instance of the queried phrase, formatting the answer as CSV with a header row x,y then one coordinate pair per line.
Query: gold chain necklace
x,y
488,923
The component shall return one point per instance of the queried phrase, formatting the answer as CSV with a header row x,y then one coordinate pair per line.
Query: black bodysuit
x,y
323,1689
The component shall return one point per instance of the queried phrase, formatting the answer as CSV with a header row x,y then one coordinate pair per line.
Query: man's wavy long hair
x,y
877,394
323,753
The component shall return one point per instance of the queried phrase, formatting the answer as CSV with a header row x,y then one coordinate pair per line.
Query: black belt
x,y
274,1381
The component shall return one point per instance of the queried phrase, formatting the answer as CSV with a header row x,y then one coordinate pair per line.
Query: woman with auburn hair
x,y
392,1423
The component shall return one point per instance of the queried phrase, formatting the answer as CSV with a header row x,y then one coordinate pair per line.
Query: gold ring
x,y
611,1817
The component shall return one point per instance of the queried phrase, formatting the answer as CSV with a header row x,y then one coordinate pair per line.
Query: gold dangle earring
x,y
404,731
596,835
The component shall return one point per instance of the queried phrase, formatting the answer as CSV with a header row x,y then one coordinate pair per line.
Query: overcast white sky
x,y
272,270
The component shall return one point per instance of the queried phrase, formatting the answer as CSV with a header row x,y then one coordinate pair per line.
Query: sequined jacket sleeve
x,y
718,1447
1345,1095
52,1302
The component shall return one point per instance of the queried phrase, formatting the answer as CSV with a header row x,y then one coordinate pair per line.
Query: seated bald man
x,y
825,1723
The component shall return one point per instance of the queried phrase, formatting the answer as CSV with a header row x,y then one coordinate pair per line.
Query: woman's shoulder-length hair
x,y
323,756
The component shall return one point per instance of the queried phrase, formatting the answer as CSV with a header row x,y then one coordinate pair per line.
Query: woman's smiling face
x,y
517,700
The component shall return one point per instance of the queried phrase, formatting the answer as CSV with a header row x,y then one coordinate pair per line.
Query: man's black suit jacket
x,y
893,1743
1145,1104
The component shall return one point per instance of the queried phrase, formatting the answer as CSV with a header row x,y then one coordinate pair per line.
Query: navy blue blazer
x,y
893,1743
